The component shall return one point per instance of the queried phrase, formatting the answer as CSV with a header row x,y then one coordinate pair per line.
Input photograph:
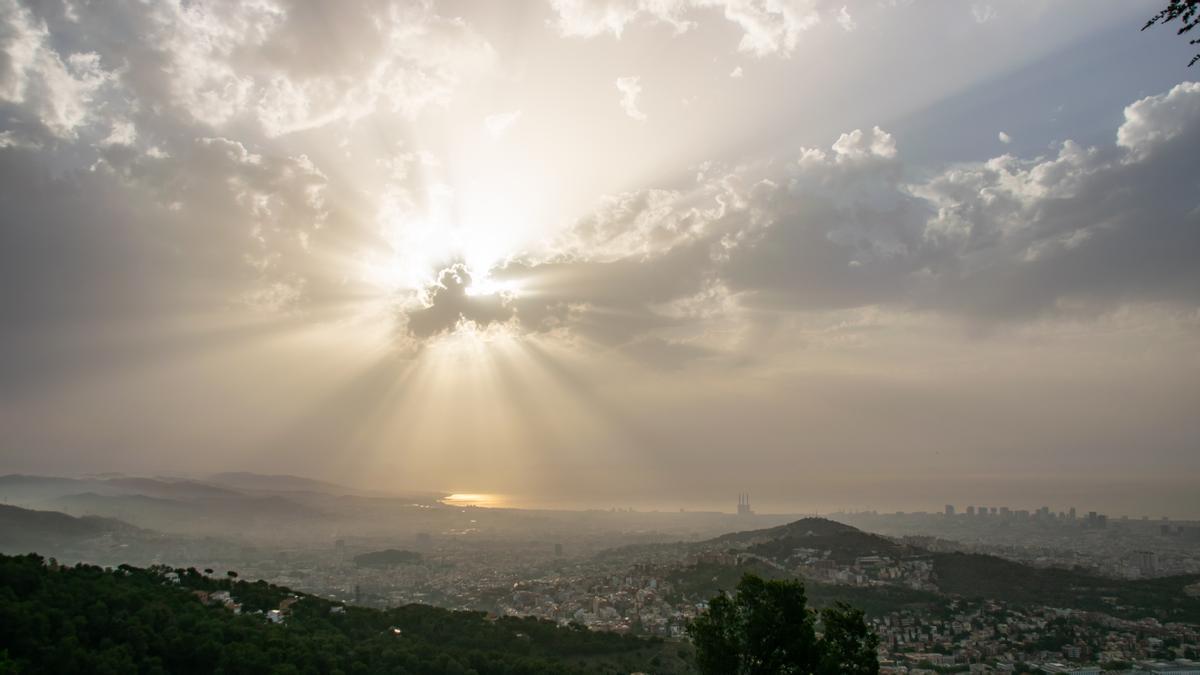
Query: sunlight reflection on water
x,y
474,499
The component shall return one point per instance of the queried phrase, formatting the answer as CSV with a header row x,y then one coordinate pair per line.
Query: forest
x,y
87,619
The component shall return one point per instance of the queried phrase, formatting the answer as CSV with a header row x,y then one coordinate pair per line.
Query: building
x,y
744,505
949,509
1146,562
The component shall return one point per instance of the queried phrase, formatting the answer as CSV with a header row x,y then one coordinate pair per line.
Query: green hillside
x,y
974,576
704,580
985,576
85,619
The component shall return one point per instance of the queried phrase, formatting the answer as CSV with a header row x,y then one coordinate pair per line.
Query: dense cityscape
x,y
926,583
658,588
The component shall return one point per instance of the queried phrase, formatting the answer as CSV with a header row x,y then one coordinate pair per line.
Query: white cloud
x,y
590,18
22,43
224,61
1154,120
983,12
497,125
123,133
769,27
58,91
846,21
1004,138
737,73
858,144
1007,239
631,88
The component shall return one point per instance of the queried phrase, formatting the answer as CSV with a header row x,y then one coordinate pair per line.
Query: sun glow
x,y
480,210
480,499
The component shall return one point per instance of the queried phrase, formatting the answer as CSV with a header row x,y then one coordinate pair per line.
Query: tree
x,y
1187,12
848,645
766,628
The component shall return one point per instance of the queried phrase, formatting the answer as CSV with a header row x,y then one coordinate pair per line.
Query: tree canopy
x,y
766,628
85,619
1186,12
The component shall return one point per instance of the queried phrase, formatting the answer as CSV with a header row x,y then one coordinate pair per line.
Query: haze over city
x,y
607,253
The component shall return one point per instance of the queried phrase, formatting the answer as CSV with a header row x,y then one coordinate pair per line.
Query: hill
x,y
257,482
27,489
805,527
176,621
170,489
985,576
777,552
26,529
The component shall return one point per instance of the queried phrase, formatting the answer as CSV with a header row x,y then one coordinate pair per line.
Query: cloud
x,y
1079,232
631,88
860,145
769,27
165,117
1155,120
846,21
161,159
983,12
284,65
737,73
497,125
55,89
449,302
589,18
123,133
1004,138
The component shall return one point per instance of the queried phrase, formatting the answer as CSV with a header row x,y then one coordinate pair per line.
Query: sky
x,y
885,254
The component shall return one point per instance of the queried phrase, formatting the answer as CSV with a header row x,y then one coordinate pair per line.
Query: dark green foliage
x,y
848,645
21,528
873,600
766,628
704,580
387,558
844,545
85,619
982,576
1186,12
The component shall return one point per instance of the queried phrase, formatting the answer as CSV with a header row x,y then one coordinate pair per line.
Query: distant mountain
x,y
170,489
132,506
26,529
243,480
29,489
230,511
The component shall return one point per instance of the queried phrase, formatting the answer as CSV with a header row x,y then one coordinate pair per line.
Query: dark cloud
x,y
448,303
